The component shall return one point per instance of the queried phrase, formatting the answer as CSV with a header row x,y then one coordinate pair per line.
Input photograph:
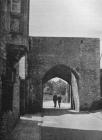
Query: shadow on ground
x,y
25,130
49,133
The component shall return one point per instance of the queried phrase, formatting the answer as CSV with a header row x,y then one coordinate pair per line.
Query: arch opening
x,y
59,87
71,77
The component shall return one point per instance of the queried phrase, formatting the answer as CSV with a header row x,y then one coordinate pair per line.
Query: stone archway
x,y
69,75
78,56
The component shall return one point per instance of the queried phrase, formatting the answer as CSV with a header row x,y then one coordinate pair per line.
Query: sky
x,y
65,17
68,18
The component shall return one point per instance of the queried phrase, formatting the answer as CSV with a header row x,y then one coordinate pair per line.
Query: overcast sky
x,y
66,18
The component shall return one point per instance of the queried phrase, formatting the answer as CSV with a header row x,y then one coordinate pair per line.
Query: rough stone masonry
x,y
81,55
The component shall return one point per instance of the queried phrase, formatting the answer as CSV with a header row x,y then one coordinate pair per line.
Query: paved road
x,y
50,104
71,126
59,124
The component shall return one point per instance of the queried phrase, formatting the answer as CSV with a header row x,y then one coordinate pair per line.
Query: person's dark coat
x,y
59,98
55,98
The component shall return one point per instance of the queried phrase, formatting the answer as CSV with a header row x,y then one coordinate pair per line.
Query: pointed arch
x,y
69,75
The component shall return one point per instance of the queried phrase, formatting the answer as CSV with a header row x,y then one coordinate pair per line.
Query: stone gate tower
x,y
14,26
72,59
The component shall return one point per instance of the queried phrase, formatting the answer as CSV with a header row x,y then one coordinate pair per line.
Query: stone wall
x,y
80,54
101,81
3,31
14,21
90,71
16,92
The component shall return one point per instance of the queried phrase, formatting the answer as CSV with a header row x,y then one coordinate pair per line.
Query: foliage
x,y
53,86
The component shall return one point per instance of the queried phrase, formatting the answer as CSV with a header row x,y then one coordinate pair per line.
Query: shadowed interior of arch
x,y
70,76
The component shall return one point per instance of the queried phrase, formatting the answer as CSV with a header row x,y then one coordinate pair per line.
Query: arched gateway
x,y
76,60
69,75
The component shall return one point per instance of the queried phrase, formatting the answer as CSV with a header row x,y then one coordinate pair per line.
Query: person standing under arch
x,y
59,98
55,100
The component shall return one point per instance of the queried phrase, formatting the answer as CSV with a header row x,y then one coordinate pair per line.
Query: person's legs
x,y
54,103
59,104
